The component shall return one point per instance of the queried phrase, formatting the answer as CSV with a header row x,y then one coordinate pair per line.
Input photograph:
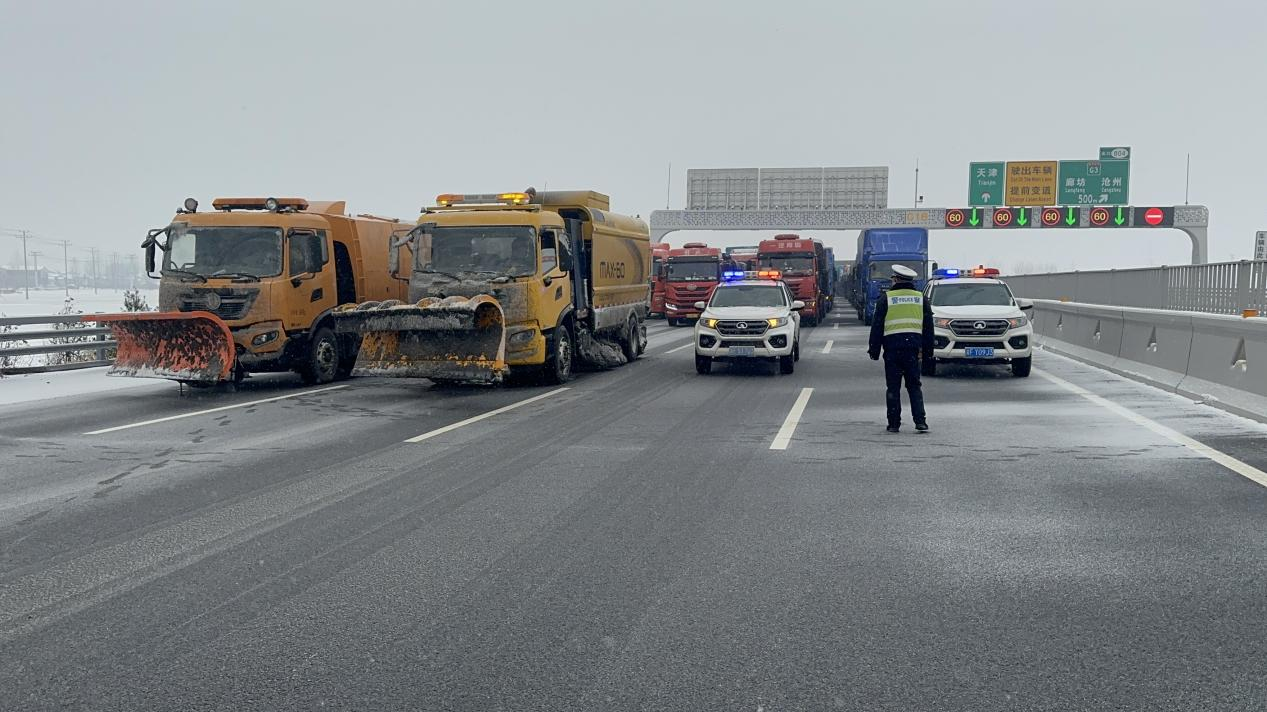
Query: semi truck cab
x,y
798,260
692,272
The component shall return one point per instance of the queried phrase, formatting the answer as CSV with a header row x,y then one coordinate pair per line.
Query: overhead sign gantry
x,y
1194,220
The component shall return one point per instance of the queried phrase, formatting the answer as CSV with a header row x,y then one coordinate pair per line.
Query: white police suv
x,y
977,319
751,315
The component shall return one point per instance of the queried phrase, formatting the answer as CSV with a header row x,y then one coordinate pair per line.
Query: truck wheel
x,y
559,365
1021,366
322,362
703,365
928,367
787,364
629,344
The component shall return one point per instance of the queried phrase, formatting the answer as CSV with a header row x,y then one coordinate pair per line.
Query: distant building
x,y
1260,246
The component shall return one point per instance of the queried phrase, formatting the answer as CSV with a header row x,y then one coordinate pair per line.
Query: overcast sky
x,y
114,112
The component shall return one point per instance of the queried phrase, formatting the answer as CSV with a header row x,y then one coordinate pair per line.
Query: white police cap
x,y
903,272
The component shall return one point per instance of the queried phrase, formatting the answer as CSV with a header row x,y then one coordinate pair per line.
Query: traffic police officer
x,y
903,326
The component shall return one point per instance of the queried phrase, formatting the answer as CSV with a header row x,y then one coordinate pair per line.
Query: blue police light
x,y
946,273
731,275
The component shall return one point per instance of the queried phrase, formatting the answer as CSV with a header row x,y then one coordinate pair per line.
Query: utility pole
x,y
35,255
66,266
94,269
917,182
1187,173
26,271
668,186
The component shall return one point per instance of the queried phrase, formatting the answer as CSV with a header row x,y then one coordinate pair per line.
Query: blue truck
x,y
827,278
878,250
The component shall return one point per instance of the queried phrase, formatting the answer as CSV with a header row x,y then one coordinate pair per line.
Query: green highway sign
x,y
1095,182
985,183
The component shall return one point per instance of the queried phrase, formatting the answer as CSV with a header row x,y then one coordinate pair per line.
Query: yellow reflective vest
x,y
905,312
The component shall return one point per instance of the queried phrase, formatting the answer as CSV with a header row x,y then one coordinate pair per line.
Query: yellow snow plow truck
x,y
510,281
251,287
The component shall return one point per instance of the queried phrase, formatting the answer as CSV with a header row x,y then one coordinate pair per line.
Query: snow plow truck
x,y
251,287
510,282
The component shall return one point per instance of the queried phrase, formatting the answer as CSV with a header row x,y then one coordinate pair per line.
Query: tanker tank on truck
x,y
798,260
503,282
251,287
878,250
693,271
659,253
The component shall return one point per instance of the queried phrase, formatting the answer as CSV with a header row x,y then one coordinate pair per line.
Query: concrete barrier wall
x,y
1220,359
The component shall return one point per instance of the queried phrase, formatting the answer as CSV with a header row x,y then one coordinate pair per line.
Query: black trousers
x,y
899,365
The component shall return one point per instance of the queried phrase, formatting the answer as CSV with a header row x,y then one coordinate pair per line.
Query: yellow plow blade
x,y
452,339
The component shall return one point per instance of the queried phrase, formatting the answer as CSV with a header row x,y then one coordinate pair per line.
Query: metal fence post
x,y
1243,282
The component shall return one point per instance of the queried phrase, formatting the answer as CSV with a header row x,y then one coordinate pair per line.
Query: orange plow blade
x,y
183,346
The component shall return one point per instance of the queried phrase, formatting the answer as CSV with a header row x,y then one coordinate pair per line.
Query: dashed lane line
x,y
247,404
483,416
784,436
1243,469
827,346
683,346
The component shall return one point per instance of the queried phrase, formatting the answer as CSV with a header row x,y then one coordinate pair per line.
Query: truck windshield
x,y
789,264
884,268
501,249
698,271
969,294
212,251
748,295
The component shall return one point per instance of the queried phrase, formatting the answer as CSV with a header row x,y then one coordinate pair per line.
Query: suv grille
x,y
736,327
229,305
987,327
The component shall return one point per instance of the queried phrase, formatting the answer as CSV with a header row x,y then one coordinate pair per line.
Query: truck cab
x,y
798,260
878,250
659,253
692,272
271,270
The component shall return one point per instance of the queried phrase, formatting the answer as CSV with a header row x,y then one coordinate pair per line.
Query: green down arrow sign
x,y
974,220
1119,218
1070,218
1022,217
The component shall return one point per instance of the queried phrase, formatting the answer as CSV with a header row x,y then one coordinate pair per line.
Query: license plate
x,y
742,351
979,352
692,316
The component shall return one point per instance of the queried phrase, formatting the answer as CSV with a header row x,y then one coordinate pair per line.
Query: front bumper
x,y
1012,344
773,343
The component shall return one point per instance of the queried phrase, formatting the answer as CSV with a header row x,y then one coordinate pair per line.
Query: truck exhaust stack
x,y
192,347
451,339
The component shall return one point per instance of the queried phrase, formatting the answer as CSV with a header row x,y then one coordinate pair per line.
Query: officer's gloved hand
x,y
875,355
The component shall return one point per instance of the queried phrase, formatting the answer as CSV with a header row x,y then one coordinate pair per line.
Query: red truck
x,y
799,260
659,253
691,273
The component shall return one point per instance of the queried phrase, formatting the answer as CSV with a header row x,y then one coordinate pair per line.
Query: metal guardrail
x,y
97,343
1215,288
1220,359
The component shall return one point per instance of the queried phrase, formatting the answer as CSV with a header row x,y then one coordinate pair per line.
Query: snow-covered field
x,y
51,301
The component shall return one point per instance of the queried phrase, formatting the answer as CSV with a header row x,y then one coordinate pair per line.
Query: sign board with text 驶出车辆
x,y
1030,183
985,183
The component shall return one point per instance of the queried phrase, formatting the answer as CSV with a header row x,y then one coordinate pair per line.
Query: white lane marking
x,y
482,416
1245,470
784,435
213,410
827,346
683,346
836,325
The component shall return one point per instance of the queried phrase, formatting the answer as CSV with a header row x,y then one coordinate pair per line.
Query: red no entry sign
x,y
1154,216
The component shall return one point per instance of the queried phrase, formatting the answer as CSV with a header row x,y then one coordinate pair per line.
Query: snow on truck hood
x,y
973,311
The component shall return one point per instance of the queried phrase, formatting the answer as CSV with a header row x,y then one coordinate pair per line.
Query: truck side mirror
x,y
149,257
150,243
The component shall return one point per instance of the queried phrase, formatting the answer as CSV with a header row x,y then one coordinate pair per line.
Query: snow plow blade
x,y
196,347
452,339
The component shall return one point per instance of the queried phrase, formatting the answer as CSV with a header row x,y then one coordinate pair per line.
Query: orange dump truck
x,y
250,287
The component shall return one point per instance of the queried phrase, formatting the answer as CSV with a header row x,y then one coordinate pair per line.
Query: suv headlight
x,y
1017,322
777,321
941,323
710,323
